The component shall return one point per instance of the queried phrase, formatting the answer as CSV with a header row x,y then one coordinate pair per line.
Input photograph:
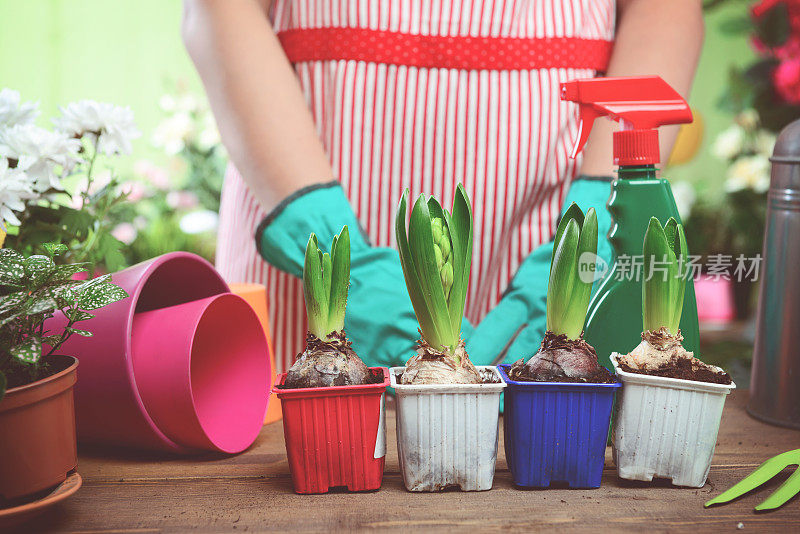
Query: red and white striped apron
x,y
425,94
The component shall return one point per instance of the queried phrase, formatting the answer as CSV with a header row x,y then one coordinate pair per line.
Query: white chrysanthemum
x,y
15,188
45,156
750,172
13,111
729,143
174,132
685,197
199,222
114,125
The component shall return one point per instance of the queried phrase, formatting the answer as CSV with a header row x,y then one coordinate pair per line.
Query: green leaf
x,y
78,315
12,268
29,351
99,295
563,276
313,288
420,241
54,249
40,303
84,333
66,272
38,269
340,279
582,291
573,213
413,283
460,227
12,303
657,308
51,341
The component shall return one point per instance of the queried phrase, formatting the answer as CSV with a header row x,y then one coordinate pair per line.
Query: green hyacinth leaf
x,y
340,280
563,275
420,242
573,213
314,290
656,288
460,226
582,291
413,283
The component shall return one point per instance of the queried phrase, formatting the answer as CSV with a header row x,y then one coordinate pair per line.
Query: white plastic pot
x,y
666,427
447,434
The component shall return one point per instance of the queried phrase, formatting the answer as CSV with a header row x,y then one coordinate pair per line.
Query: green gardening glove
x,y
380,320
515,327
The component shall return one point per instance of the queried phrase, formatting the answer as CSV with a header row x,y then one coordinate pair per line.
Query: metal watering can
x,y
775,378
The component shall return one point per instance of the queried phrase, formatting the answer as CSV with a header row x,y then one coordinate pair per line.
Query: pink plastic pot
x,y
218,343
714,300
108,404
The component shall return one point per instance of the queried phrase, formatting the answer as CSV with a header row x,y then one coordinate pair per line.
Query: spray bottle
x,y
640,105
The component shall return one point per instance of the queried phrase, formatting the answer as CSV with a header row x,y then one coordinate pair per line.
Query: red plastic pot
x,y
37,434
336,436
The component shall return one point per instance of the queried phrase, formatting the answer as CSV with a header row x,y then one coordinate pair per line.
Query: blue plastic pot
x,y
556,432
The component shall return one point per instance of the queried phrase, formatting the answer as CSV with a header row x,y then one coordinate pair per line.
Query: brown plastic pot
x,y
37,437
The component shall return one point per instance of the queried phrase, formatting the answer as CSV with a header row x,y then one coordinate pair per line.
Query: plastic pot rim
x,y
555,385
303,393
673,383
432,389
30,393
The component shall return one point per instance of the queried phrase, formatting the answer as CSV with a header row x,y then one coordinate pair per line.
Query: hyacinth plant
x,y
329,359
436,255
665,278
662,292
563,354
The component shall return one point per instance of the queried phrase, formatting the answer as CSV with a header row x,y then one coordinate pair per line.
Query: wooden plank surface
x,y
252,492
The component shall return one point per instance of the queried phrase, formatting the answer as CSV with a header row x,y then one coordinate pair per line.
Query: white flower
x,y
45,156
13,111
729,143
15,187
173,133
199,222
184,103
765,142
209,135
125,232
748,119
685,197
750,172
114,125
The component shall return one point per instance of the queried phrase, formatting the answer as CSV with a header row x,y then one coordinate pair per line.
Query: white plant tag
x,y
380,442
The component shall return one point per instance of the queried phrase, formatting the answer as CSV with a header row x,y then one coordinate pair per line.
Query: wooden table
x,y
253,492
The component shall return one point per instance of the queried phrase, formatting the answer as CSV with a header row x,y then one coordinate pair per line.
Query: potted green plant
x,y
671,404
558,403
37,417
329,395
447,409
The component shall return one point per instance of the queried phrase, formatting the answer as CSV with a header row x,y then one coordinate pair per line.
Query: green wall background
x,y
129,52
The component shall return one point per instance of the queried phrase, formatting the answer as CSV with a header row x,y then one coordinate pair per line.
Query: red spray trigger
x,y
641,104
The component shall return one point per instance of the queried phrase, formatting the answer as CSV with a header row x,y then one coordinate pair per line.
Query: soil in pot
x,y
22,374
661,354
561,359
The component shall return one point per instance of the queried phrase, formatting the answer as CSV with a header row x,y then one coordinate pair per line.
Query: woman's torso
x,y
386,126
